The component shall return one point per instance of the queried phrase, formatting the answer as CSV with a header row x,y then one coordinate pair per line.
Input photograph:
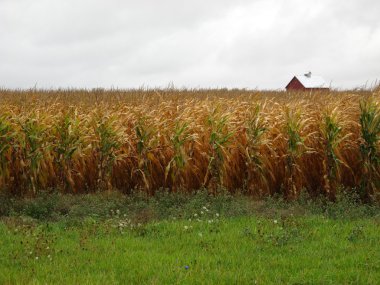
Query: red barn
x,y
306,82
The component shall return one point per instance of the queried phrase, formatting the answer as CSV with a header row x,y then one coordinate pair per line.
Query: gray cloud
x,y
215,43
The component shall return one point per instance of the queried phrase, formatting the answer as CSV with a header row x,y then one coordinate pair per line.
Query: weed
x,y
356,234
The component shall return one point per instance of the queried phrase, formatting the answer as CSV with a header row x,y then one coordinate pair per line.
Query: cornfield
x,y
259,143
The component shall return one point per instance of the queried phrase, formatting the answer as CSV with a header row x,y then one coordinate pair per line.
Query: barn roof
x,y
309,80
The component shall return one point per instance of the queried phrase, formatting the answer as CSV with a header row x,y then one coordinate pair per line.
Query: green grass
x,y
233,240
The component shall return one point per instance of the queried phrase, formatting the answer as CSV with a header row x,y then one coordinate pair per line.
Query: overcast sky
x,y
198,43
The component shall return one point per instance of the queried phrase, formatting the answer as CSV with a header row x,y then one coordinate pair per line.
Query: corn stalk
x,y
7,135
257,164
177,164
219,139
108,143
370,132
69,141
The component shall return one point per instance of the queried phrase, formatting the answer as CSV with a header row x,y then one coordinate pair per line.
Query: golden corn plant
x,y
87,140
108,141
257,163
145,135
7,136
219,138
333,137
32,144
67,130
295,124
177,164
369,147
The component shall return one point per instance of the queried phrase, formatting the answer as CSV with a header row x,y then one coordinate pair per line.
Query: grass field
x,y
195,239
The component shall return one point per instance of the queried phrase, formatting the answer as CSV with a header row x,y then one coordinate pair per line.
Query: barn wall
x,y
294,84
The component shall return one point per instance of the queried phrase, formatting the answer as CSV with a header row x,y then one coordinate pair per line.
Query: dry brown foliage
x,y
258,142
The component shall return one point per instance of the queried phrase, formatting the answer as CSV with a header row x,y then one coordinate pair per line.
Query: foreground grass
x,y
205,243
